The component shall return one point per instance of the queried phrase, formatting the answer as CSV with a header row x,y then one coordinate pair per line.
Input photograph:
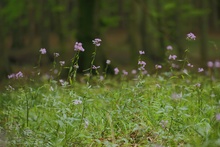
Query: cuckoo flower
x,y
43,51
210,64
124,72
78,47
218,117
169,47
142,63
56,54
191,36
158,66
108,62
97,41
217,64
172,57
141,52
116,70
200,69
62,63
16,75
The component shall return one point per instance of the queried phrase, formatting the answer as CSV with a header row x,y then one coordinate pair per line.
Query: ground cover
x,y
171,108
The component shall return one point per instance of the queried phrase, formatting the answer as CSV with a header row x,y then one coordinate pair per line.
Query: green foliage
x,y
152,111
12,11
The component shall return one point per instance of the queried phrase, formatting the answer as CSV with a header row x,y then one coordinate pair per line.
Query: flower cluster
x,y
190,65
78,47
163,123
141,52
173,57
218,117
108,62
116,70
97,41
169,47
134,72
77,102
43,51
56,54
142,65
158,66
215,64
16,75
124,72
198,85
63,83
191,36
176,96
200,69
62,63
95,67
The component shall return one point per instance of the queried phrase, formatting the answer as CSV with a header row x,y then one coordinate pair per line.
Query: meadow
x,y
174,107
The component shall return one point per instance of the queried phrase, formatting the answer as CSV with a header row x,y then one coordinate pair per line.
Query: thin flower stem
x,y
106,70
185,59
73,68
92,63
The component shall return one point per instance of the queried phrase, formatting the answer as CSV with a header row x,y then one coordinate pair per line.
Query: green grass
x,y
171,107
159,110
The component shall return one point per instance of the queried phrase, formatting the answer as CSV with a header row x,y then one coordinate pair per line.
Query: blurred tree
x,y
214,18
4,60
203,28
179,28
45,24
161,29
133,30
151,24
87,30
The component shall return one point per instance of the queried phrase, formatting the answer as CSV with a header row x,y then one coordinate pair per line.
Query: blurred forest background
x,y
125,27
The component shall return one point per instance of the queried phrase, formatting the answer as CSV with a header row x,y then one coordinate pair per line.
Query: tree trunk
x,y
161,32
133,30
214,16
86,32
203,28
179,35
45,28
4,55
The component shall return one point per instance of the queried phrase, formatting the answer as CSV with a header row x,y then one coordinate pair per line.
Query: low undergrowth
x,y
154,111
169,108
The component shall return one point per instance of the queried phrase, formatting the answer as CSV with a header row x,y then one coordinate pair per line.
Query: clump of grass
x,y
168,109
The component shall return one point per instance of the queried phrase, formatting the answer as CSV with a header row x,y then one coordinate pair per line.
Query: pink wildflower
x,y
200,69
210,64
142,63
43,51
218,117
217,64
141,52
190,65
172,57
95,67
78,47
62,63
191,36
124,72
169,47
116,70
97,41
158,66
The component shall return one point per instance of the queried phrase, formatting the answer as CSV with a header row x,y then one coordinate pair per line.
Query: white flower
x,y
108,61
200,69
77,102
